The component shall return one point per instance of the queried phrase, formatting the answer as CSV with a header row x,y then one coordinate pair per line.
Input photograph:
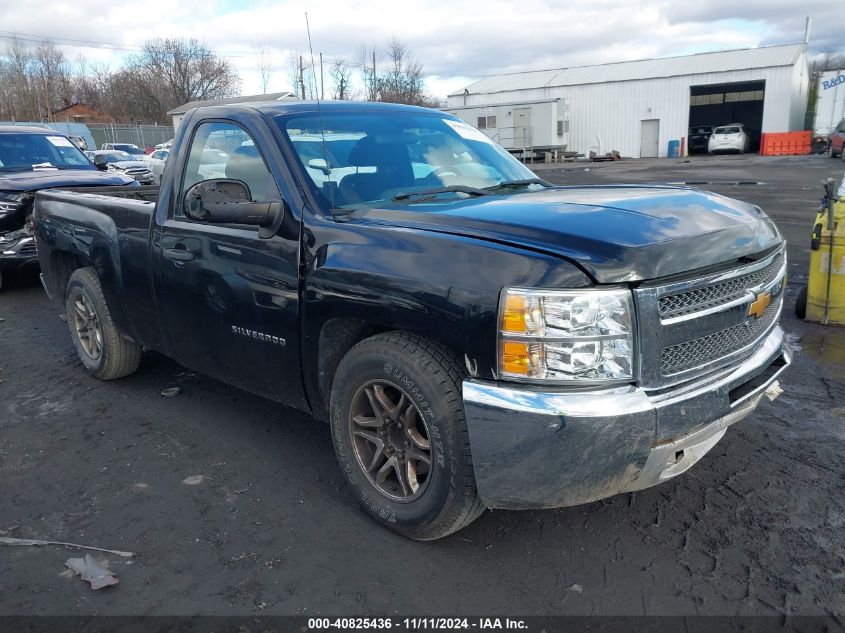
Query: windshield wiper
x,y
515,184
430,193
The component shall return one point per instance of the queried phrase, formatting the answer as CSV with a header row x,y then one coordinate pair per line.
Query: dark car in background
x,y
123,162
699,136
31,159
836,141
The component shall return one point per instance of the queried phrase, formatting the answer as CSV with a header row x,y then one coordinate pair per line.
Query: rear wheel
x,y
104,352
400,435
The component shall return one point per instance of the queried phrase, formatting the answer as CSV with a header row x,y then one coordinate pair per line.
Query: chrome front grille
x,y
684,303
28,249
695,326
708,348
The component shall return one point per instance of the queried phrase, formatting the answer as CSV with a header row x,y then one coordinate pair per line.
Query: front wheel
x,y
104,352
400,435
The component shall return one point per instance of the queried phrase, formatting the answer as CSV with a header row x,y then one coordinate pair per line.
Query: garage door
x,y
720,104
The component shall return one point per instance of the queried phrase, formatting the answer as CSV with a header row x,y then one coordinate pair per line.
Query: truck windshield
x,y
23,152
372,157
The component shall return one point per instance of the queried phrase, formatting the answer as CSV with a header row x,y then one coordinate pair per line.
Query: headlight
x,y
565,336
9,203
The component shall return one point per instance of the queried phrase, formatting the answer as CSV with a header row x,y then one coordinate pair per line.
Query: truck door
x,y
228,298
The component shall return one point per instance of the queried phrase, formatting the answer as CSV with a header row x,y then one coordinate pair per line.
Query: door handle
x,y
179,254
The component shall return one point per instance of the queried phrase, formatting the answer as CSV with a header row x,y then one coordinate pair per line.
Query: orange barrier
x,y
785,143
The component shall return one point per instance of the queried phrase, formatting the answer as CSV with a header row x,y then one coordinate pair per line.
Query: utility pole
x,y
322,84
301,78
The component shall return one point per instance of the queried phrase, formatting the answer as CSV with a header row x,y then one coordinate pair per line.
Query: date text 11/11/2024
x,y
417,624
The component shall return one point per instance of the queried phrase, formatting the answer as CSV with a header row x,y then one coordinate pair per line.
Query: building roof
x,y
747,58
297,106
27,129
273,96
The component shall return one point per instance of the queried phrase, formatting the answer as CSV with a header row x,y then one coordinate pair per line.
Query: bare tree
x,y
829,60
301,77
36,81
402,80
368,63
341,80
175,71
265,66
52,78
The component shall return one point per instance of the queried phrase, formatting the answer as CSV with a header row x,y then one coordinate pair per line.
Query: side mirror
x,y
101,162
321,164
228,201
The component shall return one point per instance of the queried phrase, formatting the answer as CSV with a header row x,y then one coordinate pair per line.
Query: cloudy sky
x,y
456,41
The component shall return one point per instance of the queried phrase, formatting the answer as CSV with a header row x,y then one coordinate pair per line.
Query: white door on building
x,y
522,127
649,138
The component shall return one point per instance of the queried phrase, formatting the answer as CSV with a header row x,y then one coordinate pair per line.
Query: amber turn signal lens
x,y
515,358
514,317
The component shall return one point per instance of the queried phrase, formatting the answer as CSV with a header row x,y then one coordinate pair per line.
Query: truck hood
x,y
130,164
19,181
615,233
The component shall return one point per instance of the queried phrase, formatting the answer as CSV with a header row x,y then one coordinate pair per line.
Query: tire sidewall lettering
x,y
410,388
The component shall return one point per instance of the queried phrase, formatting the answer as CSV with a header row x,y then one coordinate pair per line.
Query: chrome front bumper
x,y
536,448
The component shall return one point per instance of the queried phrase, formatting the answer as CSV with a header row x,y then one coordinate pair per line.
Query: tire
x,y
801,303
830,152
385,367
104,352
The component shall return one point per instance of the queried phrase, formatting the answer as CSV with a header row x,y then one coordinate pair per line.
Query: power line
x,y
137,48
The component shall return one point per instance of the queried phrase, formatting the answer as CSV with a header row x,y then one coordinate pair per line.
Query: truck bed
x,y
109,229
146,193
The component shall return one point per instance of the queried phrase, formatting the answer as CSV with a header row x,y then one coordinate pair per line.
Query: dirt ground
x,y
235,505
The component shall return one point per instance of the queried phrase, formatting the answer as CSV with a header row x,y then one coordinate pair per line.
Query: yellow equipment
x,y
825,296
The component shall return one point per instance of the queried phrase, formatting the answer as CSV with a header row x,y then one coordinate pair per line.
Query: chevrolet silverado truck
x,y
34,158
474,336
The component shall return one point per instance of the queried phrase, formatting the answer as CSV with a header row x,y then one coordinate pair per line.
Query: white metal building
x,y
638,107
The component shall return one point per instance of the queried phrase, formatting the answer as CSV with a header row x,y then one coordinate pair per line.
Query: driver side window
x,y
225,150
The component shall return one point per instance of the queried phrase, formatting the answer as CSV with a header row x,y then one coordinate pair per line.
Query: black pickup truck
x,y
31,159
476,337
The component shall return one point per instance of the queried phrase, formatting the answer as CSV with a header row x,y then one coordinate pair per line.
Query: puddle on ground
x,y
827,344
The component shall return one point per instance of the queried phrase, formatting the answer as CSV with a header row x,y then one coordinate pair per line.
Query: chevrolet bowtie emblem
x,y
759,305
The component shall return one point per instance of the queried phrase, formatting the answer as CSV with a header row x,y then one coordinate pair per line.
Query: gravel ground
x,y
235,505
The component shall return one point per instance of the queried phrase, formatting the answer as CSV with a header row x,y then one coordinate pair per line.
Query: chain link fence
x,y
140,135
95,134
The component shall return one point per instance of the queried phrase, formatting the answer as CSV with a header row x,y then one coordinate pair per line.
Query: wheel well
x,y
337,337
64,264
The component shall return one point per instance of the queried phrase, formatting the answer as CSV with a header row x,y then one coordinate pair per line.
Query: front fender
x,y
443,287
